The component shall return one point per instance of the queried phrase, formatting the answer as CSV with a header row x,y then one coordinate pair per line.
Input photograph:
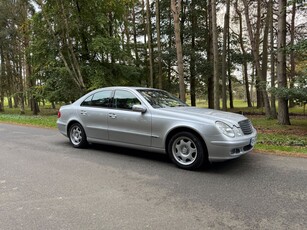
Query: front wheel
x,y
187,151
77,136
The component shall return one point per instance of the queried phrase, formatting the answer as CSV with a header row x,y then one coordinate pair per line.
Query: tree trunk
x,y
27,62
230,90
254,38
136,51
193,59
247,93
272,54
160,82
210,85
176,7
283,111
150,57
215,56
229,76
245,74
20,87
111,34
292,53
259,96
2,74
10,102
169,62
264,66
224,56
9,79
145,40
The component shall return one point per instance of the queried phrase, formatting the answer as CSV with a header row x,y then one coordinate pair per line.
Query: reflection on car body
x,y
152,119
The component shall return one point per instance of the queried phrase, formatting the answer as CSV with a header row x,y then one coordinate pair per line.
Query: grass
x,y
281,139
272,137
46,119
40,121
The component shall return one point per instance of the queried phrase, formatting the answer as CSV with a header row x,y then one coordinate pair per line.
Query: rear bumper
x,y
62,128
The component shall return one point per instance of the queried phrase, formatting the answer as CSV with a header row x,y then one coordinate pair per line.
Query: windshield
x,y
160,98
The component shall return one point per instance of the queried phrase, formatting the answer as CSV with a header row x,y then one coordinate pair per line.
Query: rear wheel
x,y
187,151
77,136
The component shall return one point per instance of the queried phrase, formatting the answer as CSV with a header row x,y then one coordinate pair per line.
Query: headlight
x,y
238,131
225,129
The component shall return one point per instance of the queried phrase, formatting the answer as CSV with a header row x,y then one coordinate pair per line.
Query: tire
x,y
77,136
187,151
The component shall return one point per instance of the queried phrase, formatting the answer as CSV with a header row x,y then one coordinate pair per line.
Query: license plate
x,y
253,141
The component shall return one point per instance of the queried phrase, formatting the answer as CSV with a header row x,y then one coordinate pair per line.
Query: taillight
x,y
59,114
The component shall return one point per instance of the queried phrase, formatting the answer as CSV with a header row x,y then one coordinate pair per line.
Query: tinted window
x,y
124,100
99,99
87,101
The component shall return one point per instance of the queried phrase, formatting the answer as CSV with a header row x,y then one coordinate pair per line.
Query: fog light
x,y
235,151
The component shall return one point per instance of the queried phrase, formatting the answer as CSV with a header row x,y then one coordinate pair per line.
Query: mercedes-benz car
x,y
154,120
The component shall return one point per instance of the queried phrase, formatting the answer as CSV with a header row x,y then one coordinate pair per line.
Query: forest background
x,y
57,50
53,51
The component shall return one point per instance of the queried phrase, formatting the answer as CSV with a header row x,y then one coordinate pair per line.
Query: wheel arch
x,y
184,129
70,123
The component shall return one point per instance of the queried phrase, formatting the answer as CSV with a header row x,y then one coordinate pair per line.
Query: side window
x,y
99,99
124,100
87,101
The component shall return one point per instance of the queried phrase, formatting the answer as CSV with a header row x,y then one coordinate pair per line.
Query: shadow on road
x,y
235,166
131,152
238,165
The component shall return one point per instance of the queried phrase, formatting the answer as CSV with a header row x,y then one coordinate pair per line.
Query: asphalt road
x,y
47,184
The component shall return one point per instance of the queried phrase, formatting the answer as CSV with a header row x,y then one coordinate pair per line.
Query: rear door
x,y
94,112
126,125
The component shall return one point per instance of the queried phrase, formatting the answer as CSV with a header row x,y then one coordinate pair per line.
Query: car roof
x,y
116,87
126,87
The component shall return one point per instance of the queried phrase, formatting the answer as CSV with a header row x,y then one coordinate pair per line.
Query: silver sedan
x,y
152,119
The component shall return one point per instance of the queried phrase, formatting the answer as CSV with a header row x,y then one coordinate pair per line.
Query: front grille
x,y
246,127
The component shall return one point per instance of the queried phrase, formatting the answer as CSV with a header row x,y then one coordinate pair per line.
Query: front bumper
x,y
230,149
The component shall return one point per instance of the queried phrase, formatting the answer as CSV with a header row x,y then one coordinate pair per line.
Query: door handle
x,y
112,115
83,112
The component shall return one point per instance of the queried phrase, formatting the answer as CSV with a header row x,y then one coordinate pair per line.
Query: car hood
x,y
210,114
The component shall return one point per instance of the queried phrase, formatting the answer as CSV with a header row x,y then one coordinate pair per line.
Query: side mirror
x,y
139,108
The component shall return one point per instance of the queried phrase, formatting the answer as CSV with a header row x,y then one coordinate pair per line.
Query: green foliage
x,y
239,58
104,74
76,46
59,87
301,48
94,36
298,93
281,140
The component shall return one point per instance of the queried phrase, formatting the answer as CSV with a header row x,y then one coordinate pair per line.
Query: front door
x,y
126,125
